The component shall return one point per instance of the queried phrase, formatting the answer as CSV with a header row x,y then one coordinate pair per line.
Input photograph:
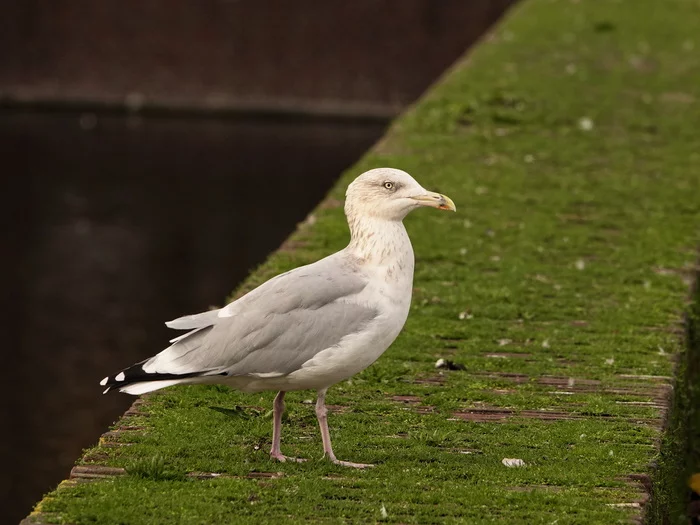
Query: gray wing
x,y
284,341
274,329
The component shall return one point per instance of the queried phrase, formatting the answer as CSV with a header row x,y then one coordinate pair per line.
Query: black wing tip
x,y
136,374
124,377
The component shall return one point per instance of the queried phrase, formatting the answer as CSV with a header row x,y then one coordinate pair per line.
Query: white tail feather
x,y
149,386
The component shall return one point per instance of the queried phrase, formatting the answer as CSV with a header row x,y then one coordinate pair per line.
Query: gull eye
x,y
389,185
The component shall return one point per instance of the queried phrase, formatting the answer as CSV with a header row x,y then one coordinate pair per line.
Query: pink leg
x,y
321,414
278,410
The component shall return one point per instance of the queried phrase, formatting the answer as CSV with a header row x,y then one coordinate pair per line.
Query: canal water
x,y
114,224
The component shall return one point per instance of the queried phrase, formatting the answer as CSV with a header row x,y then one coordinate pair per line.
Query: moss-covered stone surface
x,y
569,142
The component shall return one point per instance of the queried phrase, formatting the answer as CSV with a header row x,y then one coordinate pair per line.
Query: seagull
x,y
311,327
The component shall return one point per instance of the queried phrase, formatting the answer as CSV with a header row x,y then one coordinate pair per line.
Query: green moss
x,y
569,143
680,456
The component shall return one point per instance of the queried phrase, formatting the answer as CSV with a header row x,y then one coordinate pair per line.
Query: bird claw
x,y
351,464
283,459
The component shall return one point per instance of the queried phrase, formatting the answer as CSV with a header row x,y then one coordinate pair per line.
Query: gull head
x,y
390,194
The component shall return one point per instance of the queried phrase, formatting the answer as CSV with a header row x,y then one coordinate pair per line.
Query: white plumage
x,y
313,326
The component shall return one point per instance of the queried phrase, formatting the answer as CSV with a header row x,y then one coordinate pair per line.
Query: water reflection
x,y
115,225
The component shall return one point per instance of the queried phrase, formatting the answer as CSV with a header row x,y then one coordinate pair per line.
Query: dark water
x,y
112,226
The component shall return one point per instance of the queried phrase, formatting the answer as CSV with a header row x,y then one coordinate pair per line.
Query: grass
x,y
569,142
679,456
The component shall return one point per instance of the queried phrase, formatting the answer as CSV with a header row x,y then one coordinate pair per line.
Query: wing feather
x,y
190,322
274,329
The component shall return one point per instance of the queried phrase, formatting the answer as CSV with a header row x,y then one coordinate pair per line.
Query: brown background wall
x,y
360,55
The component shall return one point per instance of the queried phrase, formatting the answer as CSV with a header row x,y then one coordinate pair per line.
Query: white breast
x,y
387,260
389,291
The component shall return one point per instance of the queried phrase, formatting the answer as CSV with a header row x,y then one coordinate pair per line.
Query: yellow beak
x,y
435,200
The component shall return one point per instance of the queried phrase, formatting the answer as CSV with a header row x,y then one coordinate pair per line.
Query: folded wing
x,y
272,331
